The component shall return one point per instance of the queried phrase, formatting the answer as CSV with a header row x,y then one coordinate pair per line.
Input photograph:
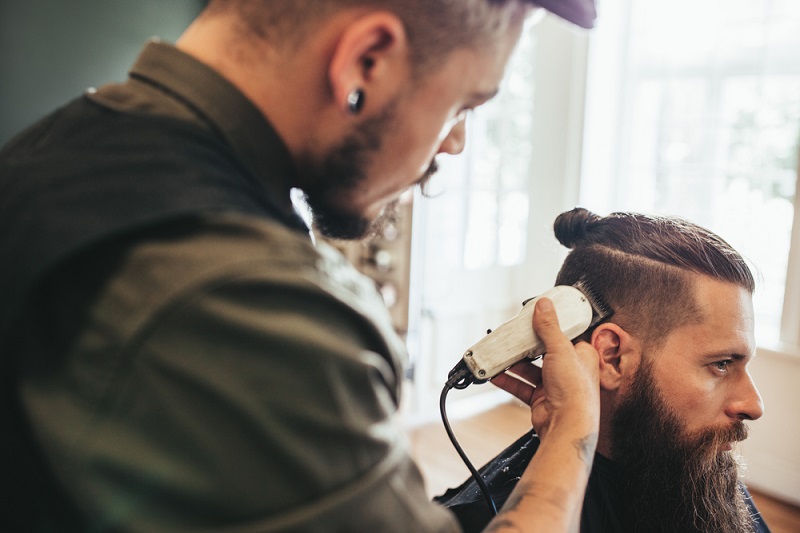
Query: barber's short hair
x,y
434,27
644,266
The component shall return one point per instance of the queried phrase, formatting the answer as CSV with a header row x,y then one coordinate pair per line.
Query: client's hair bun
x,y
571,226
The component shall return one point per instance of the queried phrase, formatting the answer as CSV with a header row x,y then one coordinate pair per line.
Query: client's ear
x,y
615,347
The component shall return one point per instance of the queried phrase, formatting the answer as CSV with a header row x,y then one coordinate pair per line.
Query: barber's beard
x,y
344,171
672,481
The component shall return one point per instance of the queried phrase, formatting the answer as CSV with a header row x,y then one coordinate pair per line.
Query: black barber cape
x,y
602,505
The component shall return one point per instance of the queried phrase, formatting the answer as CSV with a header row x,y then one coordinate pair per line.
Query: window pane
x,y
760,126
513,228
480,248
709,126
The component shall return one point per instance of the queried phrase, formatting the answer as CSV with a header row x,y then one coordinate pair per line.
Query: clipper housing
x,y
578,309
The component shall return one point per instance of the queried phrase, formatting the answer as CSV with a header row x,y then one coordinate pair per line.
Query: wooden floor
x,y
484,435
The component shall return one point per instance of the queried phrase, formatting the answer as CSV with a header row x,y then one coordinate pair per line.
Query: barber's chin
x,y
348,226
341,226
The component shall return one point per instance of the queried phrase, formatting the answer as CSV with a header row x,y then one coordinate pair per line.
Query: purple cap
x,y
580,12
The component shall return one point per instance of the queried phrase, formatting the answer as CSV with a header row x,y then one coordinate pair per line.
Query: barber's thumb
x,y
545,322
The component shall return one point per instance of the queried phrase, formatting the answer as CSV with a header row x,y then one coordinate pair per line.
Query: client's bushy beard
x,y
675,482
343,171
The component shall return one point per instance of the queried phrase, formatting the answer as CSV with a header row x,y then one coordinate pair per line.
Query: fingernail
x,y
545,305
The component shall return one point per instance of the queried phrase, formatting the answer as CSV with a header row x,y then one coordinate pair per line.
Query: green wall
x,y
52,50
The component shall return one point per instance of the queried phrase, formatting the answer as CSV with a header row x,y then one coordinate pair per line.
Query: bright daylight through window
x,y
486,189
702,123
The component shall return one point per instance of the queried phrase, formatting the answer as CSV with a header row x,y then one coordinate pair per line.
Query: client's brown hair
x,y
642,266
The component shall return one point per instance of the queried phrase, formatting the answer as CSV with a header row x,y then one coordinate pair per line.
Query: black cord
x,y
460,378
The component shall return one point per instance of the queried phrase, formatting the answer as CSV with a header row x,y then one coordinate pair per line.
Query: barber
x,y
177,355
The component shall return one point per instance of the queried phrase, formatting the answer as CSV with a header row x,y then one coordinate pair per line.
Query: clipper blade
x,y
579,309
600,308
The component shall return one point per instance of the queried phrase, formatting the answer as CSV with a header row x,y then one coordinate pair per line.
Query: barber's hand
x,y
566,391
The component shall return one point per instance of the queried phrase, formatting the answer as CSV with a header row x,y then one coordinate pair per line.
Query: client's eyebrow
x,y
727,355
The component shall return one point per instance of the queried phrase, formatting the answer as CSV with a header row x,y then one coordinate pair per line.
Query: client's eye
x,y
721,366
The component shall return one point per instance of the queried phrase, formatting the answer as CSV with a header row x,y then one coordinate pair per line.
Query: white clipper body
x,y
515,339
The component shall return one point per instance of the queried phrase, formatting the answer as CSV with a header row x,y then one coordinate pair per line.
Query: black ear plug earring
x,y
355,101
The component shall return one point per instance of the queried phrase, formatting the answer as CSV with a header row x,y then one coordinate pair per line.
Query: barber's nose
x,y
747,403
454,142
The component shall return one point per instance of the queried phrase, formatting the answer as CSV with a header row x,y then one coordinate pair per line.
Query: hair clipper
x,y
578,309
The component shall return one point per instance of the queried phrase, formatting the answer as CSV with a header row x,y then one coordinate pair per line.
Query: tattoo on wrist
x,y
586,447
545,495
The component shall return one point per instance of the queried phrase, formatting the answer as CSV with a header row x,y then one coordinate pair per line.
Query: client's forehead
x,y
725,325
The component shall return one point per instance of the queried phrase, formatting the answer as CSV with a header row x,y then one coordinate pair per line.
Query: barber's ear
x,y
370,56
614,345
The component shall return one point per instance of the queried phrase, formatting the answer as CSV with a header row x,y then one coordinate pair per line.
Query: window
x,y
471,234
694,110
486,187
483,242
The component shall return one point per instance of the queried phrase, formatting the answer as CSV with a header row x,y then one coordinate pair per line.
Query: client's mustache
x,y
716,437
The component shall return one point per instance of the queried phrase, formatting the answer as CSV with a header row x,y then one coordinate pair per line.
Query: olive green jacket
x,y
213,371
238,379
